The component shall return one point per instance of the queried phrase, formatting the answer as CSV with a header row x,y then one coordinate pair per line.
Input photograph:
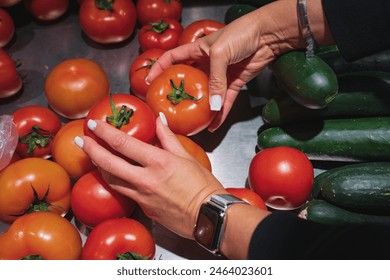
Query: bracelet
x,y
305,27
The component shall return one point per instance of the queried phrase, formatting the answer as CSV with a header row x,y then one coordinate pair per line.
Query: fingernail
x,y
147,80
163,118
79,141
215,103
91,124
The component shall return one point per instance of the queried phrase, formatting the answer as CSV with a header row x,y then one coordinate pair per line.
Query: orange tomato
x,y
248,196
195,150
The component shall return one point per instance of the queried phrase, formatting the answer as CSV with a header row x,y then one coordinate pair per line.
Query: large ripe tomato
x,y
74,85
248,196
9,3
10,81
164,34
33,184
282,176
139,70
127,113
199,29
7,28
46,10
181,93
93,201
41,235
154,10
36,126
121,238
67,154
108,21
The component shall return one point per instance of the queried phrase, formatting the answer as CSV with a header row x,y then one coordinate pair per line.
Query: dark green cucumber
x,y
255,3
308,80
355,139
362,187
375,62
377,81
236,11
323,212
283,109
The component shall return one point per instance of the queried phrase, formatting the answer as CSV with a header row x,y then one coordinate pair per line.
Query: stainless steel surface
x,y
40,47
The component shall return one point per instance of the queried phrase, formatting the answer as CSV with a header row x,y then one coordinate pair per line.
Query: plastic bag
x,y
8,140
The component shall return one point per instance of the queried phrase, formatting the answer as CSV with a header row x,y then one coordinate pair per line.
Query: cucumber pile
x,y
242,7
350,133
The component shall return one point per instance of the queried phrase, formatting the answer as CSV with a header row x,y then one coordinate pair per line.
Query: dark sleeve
x,y
283,235
359,27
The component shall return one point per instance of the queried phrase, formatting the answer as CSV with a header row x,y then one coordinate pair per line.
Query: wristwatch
x,y
209,228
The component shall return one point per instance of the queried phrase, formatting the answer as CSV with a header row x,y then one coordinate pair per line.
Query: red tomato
x,y
10,81
41,235
198,29
33,184
181,93
46,10
127,113
67,154
94,201
248,196
9,3
282,176
139,70
121,238
164,34
7,28
74,86
36,126
154,10
108,21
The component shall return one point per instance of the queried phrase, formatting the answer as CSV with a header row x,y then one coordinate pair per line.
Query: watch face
x,y
208,226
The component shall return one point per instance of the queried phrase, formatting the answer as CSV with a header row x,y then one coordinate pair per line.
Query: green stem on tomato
x,y
130,256
32,257
149,66
34,138
178,94
120,117
105,5
159,27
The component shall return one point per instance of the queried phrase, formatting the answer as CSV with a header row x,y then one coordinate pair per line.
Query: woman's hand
x,y
168,184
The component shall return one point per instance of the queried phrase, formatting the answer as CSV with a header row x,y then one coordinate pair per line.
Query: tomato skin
x,y
142,124
164,34
154,10
105,26
74,85
93,201
187,117
282,176
248,196
18,179
41,233
46,10
9,3
117,236
198,29
7,28
139,70
195,150
10,81
67,154
29,116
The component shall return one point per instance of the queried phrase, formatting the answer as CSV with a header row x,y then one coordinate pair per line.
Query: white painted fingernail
x,y
215,103
91,124
79,141
163,118
147,80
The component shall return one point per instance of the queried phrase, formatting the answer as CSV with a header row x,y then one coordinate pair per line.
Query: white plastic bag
x,y
8,140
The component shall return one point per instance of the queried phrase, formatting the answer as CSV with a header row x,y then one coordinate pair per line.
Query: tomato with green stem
x,y
41,236
36,125
154,10
181,93
119,239
199,29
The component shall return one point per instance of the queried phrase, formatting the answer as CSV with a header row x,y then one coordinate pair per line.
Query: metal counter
x,y
41,46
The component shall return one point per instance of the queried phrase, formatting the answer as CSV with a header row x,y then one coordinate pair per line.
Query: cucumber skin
x,y
356,139
308,80
283,109
236,11
255,3
377,81
323,212
362,187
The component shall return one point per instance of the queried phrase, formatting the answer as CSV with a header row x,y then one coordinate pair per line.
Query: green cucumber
x,y
255,3
308,80
236,11
362,187
353,139
283,109
377,81
321,211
